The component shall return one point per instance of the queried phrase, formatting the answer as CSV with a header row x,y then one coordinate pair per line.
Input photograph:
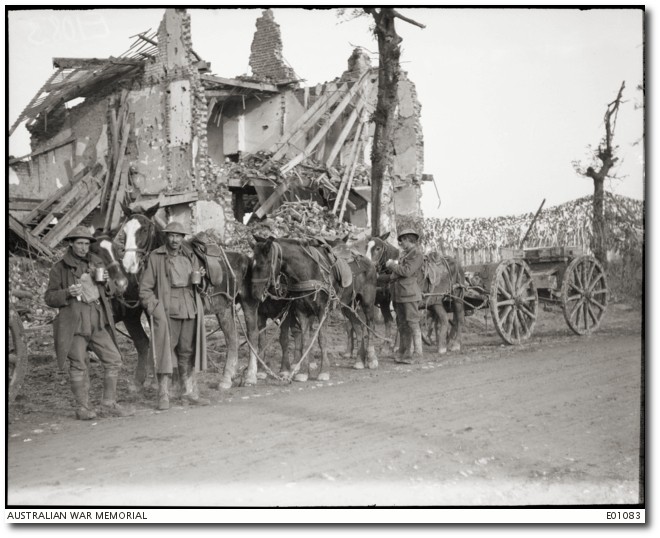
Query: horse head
x,y
138,236
379,251
266,267
107,250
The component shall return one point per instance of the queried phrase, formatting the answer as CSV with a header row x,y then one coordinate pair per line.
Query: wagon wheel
x,y
513,301
17,354
584,294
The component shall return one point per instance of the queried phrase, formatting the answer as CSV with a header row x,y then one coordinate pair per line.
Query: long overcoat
x,y
63,274
405,276
155,298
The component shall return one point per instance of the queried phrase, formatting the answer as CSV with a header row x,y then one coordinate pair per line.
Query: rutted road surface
x,y
556,421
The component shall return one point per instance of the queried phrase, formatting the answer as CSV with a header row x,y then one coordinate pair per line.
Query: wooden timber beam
x,y
87,63
48,148
325,128
305,122
364,100
19,229
262,86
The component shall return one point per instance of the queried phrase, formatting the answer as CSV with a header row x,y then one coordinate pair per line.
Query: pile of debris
x,y
28,281
297,220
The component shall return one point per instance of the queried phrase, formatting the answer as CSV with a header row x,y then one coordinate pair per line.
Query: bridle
x,y
274,274
385,251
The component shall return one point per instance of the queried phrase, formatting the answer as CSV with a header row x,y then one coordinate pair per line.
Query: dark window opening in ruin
x,y
243,204
233,157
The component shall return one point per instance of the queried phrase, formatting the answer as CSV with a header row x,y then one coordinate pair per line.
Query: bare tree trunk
x,y
607,159
385,121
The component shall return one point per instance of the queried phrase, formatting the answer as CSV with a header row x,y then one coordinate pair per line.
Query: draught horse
x,y
307,274
137,237
441,282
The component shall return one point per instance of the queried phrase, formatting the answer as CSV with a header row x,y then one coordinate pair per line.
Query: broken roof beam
x,y
326,126
339,143
307,120
91,63
261,86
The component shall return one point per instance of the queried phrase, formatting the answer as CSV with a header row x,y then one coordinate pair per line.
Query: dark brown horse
x,y
139,235
441,284
305,273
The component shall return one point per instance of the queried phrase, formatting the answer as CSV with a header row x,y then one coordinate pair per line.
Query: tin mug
x,y
99,274
196,277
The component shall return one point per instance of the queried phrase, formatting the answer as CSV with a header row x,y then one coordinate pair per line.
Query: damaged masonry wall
x,y
178,144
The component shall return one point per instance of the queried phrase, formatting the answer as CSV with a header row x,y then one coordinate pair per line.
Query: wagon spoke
x,y
571,298
599,280
592,266
585,313
577,305
599,292
579,290
516,330
506,302
592,315
598,304
527,312
507,283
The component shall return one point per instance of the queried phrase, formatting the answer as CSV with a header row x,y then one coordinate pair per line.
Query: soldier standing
x,y
407,295
76,286
171,297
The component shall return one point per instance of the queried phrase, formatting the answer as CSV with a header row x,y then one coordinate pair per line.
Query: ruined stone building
x,y
153,125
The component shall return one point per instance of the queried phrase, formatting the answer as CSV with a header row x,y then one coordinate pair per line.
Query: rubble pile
x,y
28,280
304,219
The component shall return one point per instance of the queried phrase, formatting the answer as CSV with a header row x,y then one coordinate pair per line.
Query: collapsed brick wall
x,y
266,59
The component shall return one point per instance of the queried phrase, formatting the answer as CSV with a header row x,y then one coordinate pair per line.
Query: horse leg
x,y
285,364
227,324
350,339
262,321
354,326
443,321
324,373
372,358
144,366
298,329
456,333
251,327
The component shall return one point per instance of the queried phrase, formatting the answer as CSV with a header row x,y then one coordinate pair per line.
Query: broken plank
x,y
166,200
73,219
19,229
46,149
86,63
306,121
324,129
350,165
115,209
116,174
241,83
349,125
272,199
46,203
88,183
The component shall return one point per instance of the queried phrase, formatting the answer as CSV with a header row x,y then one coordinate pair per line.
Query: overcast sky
x,y
510,97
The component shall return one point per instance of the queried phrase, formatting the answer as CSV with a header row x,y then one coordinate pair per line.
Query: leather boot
x,y
164,391
418,353
83,410
189,391
404,355
109,405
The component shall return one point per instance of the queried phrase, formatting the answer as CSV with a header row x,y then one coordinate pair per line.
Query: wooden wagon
x,y
513,288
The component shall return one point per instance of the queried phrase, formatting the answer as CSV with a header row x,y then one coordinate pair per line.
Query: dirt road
x,y
555,421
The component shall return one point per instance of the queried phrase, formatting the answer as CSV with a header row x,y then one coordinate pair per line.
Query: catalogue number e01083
x,y
624,515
